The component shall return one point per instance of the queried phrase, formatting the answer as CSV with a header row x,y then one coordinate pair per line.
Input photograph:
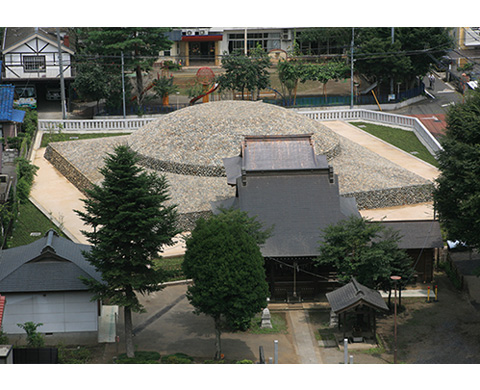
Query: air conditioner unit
x,y
202,32
189,32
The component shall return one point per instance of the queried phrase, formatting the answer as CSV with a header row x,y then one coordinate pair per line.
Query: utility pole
x,y
123,89
62,80
391,78
351,68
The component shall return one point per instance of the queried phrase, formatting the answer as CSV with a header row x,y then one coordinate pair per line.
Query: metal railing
x,y
424,136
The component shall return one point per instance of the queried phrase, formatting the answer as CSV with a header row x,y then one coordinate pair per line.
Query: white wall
x,y
58,311
14,61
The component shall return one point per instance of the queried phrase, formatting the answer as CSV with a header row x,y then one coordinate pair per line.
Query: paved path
x,y
304,341
384,149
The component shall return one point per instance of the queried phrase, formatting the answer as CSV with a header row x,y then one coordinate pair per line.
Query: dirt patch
x,y
442,332
445,332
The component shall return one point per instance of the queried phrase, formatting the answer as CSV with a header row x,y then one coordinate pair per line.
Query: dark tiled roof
x,y
417,234
14,35
290,188
353,294
51,263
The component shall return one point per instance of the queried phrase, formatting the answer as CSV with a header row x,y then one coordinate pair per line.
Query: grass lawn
x,y
402,139
59,137
173,265
278,320
30,220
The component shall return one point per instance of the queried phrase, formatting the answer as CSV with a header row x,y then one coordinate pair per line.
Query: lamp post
x,y
395,280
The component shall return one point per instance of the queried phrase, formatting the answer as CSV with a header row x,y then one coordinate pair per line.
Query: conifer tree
x,y
131,222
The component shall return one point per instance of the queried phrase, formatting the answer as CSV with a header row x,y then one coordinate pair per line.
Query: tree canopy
x,y
140,45
457,194
410,55
365,250
131,223
245,72
224,260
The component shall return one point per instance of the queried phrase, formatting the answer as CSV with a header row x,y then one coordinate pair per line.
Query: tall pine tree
x,y
131,222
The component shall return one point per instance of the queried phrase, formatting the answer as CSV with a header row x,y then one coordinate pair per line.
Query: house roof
x,y
17,36
51,263
7,112
354,294
417,234
288,187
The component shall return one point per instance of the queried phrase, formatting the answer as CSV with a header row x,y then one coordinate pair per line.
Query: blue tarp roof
x,y
6,102
7,113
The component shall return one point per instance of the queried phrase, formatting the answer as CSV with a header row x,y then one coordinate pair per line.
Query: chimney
x,y
66,41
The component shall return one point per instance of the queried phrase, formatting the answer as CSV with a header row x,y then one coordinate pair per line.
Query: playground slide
x,y
213,89
150,86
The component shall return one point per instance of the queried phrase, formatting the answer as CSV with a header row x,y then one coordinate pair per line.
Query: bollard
x,y
345,349
436,293
275,353
428,294
351,359
270,360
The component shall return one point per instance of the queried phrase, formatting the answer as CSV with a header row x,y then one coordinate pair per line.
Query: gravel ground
x,y
202,135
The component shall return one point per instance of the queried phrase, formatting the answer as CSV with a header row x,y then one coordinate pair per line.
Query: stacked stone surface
x,y
188,146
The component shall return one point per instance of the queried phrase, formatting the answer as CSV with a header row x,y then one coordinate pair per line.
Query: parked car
x,y
53,94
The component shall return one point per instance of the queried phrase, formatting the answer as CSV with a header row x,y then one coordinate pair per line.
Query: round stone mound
x,y
194,140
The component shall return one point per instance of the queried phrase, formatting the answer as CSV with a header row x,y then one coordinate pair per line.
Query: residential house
x,y
41,283
32,63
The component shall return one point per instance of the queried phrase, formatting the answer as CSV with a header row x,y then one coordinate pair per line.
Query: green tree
x,y
140,45
131,223
34,339
245,73
326,40
91,82
365,250
457,194
224,260
410,55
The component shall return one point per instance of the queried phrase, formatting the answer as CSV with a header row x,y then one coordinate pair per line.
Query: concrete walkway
x,y
304,341
376,145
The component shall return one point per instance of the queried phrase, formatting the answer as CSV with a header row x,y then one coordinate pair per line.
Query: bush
x,y
34,339
141,357
73,355
3,338
244,361
211,361
177,358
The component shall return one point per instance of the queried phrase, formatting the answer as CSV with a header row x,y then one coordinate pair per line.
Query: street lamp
x,y
395,280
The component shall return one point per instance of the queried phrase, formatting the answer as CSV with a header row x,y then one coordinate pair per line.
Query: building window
x,y
34,63
267,41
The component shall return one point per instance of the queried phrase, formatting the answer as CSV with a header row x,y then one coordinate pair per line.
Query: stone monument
x,y
266,319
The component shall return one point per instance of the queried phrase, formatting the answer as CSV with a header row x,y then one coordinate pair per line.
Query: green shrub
x,y
244,361
141,357
3,338
177,358
73,355
34,339
211,361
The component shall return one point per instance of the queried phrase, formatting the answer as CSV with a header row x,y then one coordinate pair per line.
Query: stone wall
x,y
69,171
391,197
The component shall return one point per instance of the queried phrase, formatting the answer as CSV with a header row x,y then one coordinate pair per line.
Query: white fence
x,y
424,136
128,125
92,125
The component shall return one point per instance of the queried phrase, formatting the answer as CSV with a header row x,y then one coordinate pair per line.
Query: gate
x,y
35,356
